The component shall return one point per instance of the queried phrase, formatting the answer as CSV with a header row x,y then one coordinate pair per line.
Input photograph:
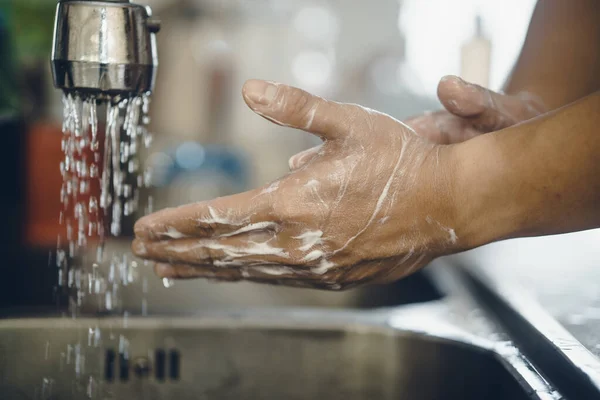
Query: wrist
x,y
442,221
487,205
535,178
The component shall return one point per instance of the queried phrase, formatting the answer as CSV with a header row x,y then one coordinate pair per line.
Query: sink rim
x,y
293,319
382,321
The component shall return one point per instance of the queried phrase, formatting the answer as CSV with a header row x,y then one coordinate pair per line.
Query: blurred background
x,y
387,55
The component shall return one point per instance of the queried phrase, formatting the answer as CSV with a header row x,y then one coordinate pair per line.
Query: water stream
x,y
101,193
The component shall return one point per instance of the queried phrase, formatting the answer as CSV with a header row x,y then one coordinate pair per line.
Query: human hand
x,y
373,204
470,110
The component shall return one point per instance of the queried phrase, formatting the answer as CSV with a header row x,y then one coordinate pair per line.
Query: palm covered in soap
x,y
363,209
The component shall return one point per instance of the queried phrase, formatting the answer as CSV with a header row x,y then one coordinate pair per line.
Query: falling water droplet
x,y
47,350
91,388
79,361
69,353
47,384
109,304
144,307
148,140
168,282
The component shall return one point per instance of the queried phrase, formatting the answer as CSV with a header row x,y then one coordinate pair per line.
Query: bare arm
x,y
560,60
533,179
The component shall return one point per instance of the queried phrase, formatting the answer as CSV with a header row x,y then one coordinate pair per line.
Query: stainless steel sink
x,y
275,355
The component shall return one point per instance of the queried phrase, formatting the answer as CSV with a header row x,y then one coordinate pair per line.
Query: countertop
x,y
562,273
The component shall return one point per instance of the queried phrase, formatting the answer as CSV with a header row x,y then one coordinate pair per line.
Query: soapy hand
x,y
470,110
372,205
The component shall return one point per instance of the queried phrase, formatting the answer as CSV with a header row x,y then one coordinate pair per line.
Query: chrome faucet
x,y
104,48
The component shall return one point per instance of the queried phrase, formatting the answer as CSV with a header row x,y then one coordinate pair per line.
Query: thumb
x,y
487,110
293,107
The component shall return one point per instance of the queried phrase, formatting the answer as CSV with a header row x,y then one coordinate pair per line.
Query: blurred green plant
x,y
26,30
31,23
9,95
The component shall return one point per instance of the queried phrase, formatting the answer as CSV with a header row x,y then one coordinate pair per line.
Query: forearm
x,y
560,59
533,179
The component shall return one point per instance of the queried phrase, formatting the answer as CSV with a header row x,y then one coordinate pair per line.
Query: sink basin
x,y
234,357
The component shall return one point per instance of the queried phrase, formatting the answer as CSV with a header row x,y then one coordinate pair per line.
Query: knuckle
x,y
299,104
302,102
210,255
178,272
186,272
206,228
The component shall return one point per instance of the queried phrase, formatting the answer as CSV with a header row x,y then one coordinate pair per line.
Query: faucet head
x,y
105,49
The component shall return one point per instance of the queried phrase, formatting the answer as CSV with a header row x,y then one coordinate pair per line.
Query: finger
x,y
487,110
254,275
225,215
304,157
184,271
190,271
293,107
221,252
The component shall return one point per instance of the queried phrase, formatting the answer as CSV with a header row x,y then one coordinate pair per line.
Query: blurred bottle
x,y
476,57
